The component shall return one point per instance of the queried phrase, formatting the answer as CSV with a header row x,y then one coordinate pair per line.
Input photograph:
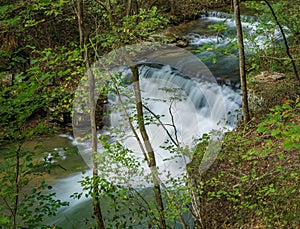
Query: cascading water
x,y
187,108
257,35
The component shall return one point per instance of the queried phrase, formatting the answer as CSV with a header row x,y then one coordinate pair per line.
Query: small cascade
x,y
215,14
259,35
217,50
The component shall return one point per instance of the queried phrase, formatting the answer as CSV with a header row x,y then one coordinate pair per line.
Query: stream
x,y
203,106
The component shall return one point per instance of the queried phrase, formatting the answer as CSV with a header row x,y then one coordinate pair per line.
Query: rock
x,y
266,76
255,102
181,43
169,37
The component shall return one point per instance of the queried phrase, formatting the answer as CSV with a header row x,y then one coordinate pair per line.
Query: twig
x,y
173,123
163,125
285,40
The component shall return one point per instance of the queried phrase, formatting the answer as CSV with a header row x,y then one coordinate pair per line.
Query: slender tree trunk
x,y
245,107
172,5
148,146
287,48
92,107
128,8
108,8
145,153
80,23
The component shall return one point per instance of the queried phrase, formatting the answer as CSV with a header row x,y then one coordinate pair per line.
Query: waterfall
x,y
178,88
188,107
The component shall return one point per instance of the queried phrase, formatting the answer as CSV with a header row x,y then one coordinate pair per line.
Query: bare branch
x,y
173,123
163,125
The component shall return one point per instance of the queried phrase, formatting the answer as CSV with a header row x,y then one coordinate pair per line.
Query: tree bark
x,y
128,8
245,107
108,8
148,146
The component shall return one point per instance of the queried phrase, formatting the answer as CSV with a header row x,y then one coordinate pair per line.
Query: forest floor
x,y
255,182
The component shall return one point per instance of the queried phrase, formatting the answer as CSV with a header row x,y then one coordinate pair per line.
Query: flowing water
x,y
196,105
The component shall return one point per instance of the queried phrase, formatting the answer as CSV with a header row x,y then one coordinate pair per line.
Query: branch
x,y
128,118
284,38
101,4
173,123
123,107
163,125
277,58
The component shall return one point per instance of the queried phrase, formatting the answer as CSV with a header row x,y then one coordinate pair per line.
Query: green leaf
x,y
261,128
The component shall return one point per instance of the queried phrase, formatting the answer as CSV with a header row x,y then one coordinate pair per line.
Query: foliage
x,y
21,101
211,52
59,72
26,100
224,45
254,181
218,28
277,127
129,28
38,205
290,17
125,206
42,90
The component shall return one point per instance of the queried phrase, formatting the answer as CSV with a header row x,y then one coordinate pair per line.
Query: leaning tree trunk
x,y
245,107
148,146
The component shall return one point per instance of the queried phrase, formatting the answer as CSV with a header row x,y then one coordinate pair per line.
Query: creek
x,y
202,106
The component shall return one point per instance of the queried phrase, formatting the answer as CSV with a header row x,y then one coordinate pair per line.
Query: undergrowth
x,y
255,181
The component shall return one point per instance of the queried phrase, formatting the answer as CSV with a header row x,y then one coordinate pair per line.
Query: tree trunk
x,y
92,107
148,146
172,5
80,23
128,8
245,107
108,8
